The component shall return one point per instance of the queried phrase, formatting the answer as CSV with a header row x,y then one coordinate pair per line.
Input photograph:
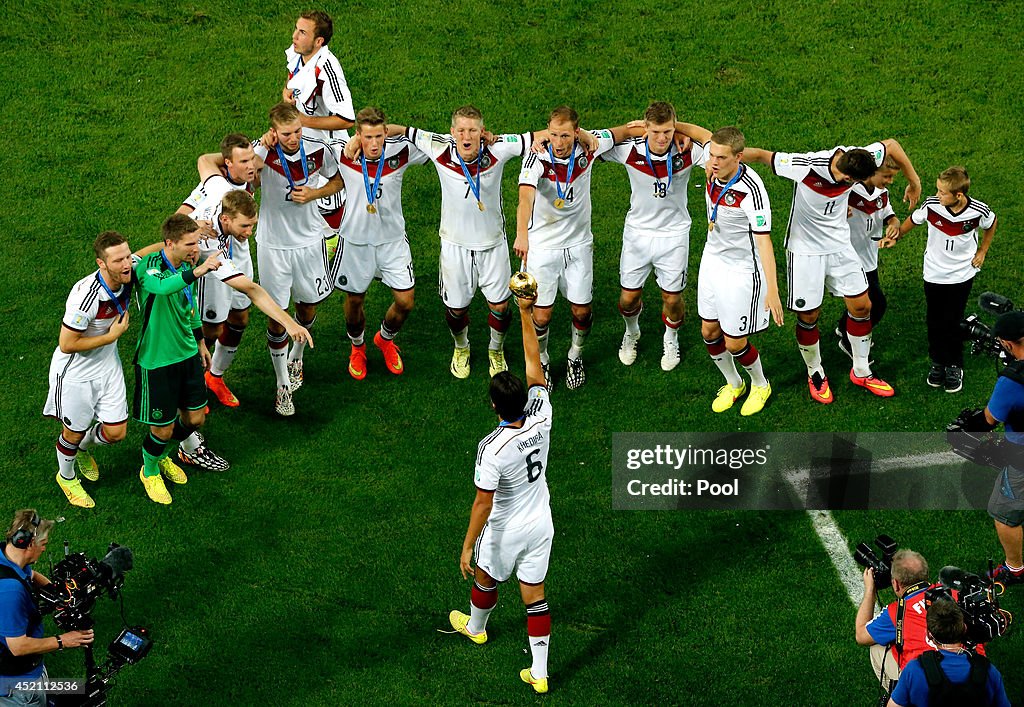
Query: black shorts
x,y
161,392
1006,504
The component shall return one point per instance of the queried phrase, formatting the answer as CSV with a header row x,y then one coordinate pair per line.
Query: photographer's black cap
x,y
1010,326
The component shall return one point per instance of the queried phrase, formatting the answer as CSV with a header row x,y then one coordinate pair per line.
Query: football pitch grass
x,y
318,569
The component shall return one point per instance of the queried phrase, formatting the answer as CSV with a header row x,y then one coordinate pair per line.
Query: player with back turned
x,y
510,524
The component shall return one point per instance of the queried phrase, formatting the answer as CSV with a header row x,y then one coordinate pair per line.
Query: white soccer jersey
x,y
285,224
869,210
743,212
229,246
320,89
817,218
462,222
553,228
952,239
221,183
656,209
387,223
513,462
90,311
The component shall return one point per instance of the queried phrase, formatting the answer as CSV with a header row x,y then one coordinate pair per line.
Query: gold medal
x,y
711,226
371,209
480,205
559,203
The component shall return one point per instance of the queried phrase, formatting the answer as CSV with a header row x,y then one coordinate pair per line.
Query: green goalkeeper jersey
x,y
170,312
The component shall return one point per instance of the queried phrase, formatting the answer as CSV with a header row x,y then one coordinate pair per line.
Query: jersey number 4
x,y
534,468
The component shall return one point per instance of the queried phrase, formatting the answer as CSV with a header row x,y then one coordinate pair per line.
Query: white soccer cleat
x,y
575,375
627,349
670,355
283,405
295,375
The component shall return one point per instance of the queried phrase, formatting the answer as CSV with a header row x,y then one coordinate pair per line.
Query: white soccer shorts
x,y
78,403
525,550
461,271
666,256
569,271
216,298
808,275
300,274
356,265
735,298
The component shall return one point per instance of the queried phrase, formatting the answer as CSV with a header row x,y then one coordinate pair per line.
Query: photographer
x,y
899,633
21,626
1006,406
950,675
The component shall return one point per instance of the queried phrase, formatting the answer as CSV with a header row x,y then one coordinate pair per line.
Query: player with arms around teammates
x,y
736,286
292,255
553,234
820,253
87,392
374,238
510,522
474,249
656,235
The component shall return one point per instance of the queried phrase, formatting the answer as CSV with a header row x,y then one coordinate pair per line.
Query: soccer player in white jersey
x,y
87,392
553,235
952,258
510,525
871,218
316,86
656,235
820,254
374,242
292,255
237,167
737,287
474,249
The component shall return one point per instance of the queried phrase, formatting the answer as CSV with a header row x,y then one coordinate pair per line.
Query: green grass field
x,y
317,570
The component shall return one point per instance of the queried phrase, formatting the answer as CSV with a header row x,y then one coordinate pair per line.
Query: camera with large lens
x,y
983,341
76,583
977,599
881,567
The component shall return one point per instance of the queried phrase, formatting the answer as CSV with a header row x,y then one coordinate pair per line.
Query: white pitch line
x,y
832,538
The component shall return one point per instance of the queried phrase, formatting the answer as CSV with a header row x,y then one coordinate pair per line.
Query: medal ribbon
x,y
668,164
371,194
475,187
568,170
287,169
721,195
174,271
117,303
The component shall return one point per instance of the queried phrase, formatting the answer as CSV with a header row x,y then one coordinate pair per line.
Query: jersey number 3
x,y
534,468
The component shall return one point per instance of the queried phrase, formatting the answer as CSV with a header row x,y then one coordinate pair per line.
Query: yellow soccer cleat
x,y
77,496
460,363
496,362
174,473
540,685
155,488
727,396
755,401
87,466
460,623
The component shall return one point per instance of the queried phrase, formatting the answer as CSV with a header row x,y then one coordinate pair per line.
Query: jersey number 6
x,y
532,465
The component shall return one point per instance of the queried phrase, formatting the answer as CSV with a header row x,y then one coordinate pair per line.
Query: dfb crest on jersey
x,y
968,226
677,163
485,161
730,198
393,163
310,164
582,162
878,202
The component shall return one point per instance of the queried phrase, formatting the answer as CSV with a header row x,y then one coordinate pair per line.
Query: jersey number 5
x,y
534,468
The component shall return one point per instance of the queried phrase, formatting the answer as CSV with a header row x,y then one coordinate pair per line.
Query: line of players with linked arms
x,y
841,214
